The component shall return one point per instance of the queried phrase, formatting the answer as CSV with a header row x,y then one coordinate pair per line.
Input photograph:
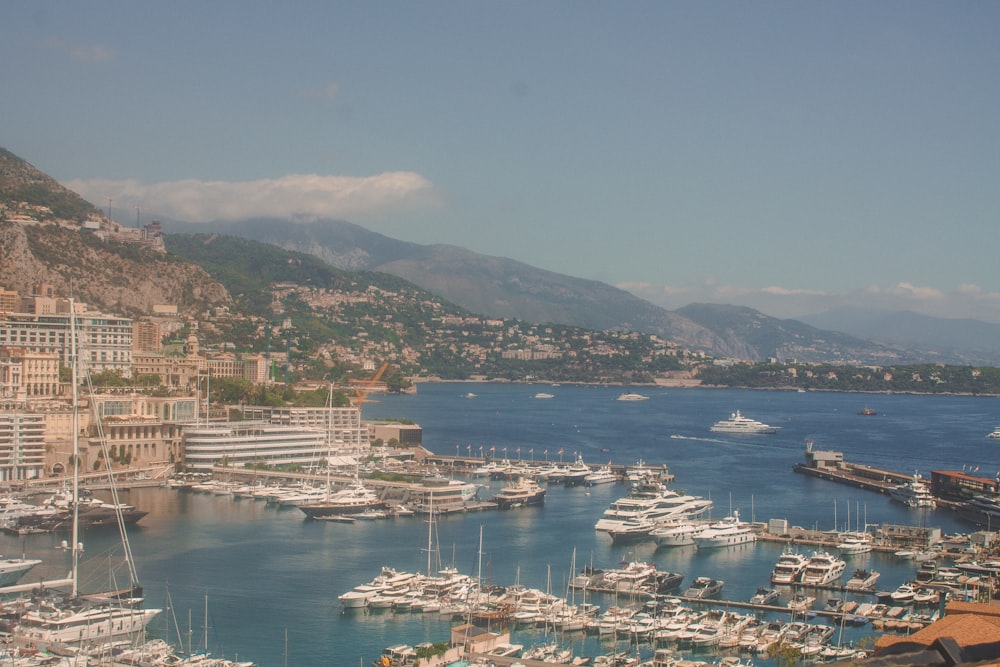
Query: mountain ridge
x,y
503,287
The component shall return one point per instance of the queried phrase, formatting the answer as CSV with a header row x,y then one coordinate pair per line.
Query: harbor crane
x,y
362,387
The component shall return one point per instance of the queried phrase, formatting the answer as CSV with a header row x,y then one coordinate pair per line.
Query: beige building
x,y
26,375
104,342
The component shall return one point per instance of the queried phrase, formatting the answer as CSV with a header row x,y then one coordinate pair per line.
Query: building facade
x,y
22,446
104,342
342,427
237,444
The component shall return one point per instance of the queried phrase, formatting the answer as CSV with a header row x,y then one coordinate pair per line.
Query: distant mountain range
x,y
491,286
501,287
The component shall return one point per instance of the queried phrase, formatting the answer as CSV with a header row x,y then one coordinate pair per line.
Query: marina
x,y
204,544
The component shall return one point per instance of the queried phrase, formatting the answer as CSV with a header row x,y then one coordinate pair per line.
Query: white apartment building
x,y
342,426
237,444
22,446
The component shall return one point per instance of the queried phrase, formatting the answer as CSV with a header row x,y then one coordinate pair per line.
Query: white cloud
x,y
86,53
965,301
299,196
327,92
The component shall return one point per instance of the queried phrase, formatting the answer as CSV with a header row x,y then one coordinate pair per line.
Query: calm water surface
x,y
268,574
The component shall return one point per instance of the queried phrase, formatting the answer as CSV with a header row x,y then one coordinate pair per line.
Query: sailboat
x,y
76,619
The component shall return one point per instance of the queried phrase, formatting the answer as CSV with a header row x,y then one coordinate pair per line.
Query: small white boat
x,y
903,594
801,602
764,596
543,395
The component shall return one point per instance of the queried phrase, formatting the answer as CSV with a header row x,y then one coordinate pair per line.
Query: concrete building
x,y
27,375
344,430
104,341
22,446
237,444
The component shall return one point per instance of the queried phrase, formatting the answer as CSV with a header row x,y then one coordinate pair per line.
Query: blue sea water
x,y
270,579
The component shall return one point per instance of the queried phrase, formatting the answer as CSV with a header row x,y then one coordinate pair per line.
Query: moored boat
x,y
789,568
913,493
862,580
704,587
524,492
728,532
822,569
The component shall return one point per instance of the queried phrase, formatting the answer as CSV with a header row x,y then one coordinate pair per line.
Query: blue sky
x,y
789,156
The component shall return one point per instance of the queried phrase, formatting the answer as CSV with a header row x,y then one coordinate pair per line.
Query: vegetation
x,y
916,378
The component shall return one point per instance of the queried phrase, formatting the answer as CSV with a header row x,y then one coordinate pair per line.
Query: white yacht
x,y
12,569
726,533
603,475
855,544
995,433
86,624
739,424
355,500
576,473
914,493
823,568
632,397
678,534
789,568
659,505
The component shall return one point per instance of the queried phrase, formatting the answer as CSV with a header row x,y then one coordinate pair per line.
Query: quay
x,y
830,465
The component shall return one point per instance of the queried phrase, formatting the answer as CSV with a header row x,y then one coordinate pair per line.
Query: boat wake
x,y
756,444
676,436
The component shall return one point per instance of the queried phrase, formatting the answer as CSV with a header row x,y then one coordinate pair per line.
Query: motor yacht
x,y
726,533
738,424
678,534
862,580
524,492
914,493
603,475
822,569
657,504
629,396
801,602
703,587
631,531
764,596
789,568
855,544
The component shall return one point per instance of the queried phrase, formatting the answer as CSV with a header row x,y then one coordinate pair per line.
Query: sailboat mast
x,y
74,549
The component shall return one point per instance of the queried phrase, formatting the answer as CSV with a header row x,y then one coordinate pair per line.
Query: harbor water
x,y
261,584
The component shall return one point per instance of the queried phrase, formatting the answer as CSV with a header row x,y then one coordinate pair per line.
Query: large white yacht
x,y
656,504
728,532
737,423
789,568
822,568
995,433
914,493
678,534
854,544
